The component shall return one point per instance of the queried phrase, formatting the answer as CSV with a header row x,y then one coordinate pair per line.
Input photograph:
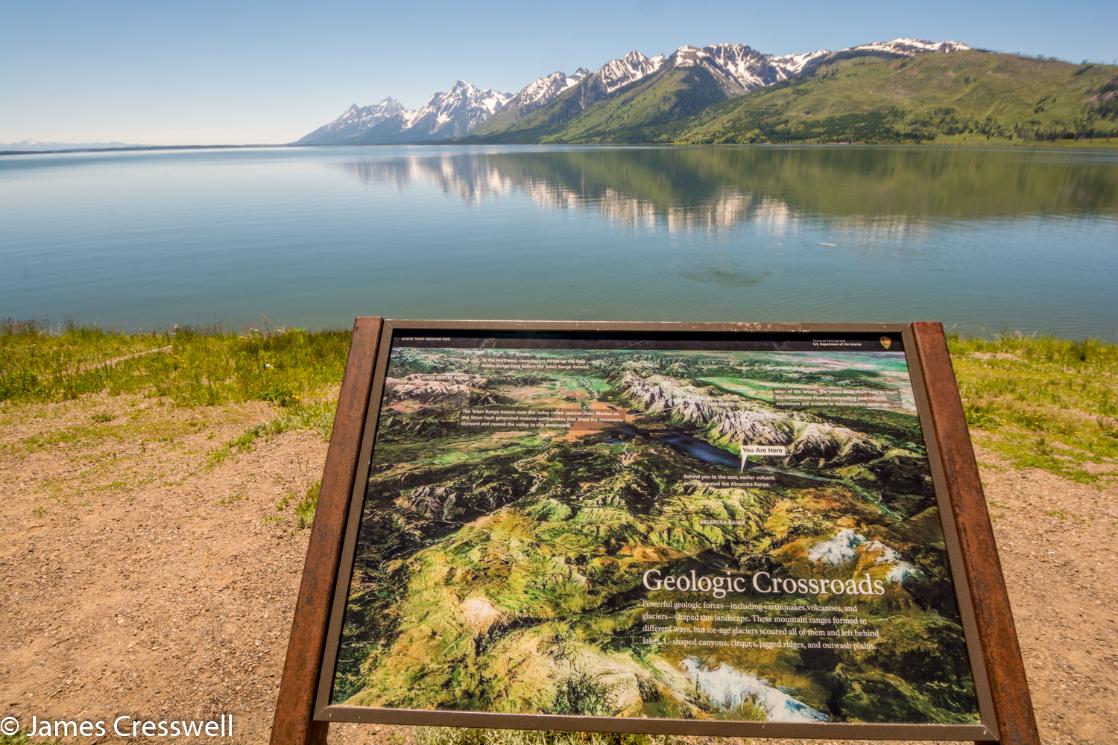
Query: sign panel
x,y
643,531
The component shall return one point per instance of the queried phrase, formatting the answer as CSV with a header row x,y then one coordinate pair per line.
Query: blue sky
x,y
235,72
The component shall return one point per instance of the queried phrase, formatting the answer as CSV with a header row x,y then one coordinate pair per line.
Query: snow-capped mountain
x,y
793,64
446,115
908,47
453,114
738,66
544,90
735,68
619,73
603,82
358,123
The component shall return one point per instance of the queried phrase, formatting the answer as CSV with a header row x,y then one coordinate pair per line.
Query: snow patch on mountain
x,y
619,73
727,688
737,68
837,551
899,569
444,116
906,47
794,64
456,112
381,110
846,546
544,90
355,122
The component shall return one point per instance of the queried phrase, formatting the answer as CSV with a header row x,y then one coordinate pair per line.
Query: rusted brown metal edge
x,y
294,723
989,598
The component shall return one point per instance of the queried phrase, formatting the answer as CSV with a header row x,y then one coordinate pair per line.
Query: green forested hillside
x,y
931,97
969,96
635,113
507,126
641,111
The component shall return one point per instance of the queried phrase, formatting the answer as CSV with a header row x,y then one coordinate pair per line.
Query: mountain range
x,y
30,146
891,91
445,116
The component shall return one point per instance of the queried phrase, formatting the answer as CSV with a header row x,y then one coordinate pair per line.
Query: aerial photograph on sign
x,y
700,529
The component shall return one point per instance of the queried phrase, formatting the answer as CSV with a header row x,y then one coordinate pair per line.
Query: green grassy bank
x,y
1036,402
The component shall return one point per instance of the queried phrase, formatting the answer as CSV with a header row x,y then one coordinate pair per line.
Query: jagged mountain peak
x,y
462,91
454,113
721,49
737,68
388,103
385,107
544,89
356,122
734,68
617,73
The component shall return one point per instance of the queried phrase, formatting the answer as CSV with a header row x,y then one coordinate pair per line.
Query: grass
x,y
639,114
191,367
1043,402
317,416
304,508
145,426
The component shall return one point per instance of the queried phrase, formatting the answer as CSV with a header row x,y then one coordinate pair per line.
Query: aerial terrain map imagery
x,y
702,528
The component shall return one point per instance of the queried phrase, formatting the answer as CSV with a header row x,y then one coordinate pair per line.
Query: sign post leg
x,y
1000,650
294,719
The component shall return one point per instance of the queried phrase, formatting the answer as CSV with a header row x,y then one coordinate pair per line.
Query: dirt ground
x,y
141,575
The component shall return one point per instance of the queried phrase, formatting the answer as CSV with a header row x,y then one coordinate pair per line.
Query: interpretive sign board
x,y
719,529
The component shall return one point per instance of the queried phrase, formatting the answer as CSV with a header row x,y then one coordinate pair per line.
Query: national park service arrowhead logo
x,y
886,342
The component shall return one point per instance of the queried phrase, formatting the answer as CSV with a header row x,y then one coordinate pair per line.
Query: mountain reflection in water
x,y
985,240
887,191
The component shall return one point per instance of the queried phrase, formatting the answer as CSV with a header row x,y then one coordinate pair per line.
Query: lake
x,y
985,240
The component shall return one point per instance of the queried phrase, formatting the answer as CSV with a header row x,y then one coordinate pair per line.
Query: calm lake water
x,y
985,240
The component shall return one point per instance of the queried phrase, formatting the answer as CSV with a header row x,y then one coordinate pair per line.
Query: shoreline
x,y
11,326
1103,143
